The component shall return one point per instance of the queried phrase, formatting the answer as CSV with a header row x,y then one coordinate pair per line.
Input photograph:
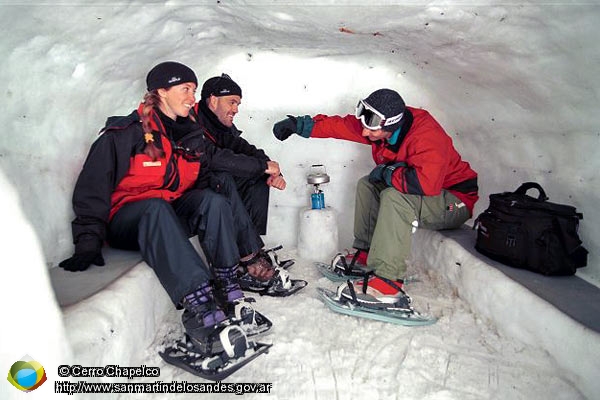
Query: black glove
x,y
376,174
284,128
82,261
383,172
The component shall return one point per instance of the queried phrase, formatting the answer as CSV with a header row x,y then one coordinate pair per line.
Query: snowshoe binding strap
x,y
404,302
337,259
233,340
251,321
342,259
355,257
272,254
352,291
391,283
282,285
254,259
243,310
347,269
261,263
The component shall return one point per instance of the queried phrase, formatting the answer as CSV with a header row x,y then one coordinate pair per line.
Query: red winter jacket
x,y
117,172
432,161
166,178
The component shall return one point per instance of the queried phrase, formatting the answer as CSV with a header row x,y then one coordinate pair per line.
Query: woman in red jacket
x,y
419,180
137,192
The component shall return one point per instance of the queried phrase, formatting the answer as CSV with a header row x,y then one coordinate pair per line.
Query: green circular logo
x,y
26,374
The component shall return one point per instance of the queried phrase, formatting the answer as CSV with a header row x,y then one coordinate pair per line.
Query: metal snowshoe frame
x,y
394,315
214,368
215,354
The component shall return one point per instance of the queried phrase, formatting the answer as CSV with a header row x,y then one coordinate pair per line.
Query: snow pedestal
x,y
318,236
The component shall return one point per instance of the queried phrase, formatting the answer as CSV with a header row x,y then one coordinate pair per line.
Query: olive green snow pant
x,y
384,220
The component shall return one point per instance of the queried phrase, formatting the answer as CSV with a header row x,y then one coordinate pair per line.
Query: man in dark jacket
x,y
218,105
220,99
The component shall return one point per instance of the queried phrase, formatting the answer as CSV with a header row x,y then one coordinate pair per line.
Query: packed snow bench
x,y
558,314
72,287
111,313
572,295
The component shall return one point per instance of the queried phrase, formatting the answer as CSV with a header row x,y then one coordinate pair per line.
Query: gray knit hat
x,y
389,103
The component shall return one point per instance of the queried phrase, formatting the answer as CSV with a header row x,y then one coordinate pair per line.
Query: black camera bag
x,y
531,233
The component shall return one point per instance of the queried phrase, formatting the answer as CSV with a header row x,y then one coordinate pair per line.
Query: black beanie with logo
x,y
169,73
220,86
389,103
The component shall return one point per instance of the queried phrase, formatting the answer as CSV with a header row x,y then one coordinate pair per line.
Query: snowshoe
x,y
399,312
280,285
274,281
231,299
251,321
213,353
340,269
272,254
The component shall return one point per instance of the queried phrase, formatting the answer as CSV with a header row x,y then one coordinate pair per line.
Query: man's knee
x,y
363,186
209,202
202,198
399,205
364,182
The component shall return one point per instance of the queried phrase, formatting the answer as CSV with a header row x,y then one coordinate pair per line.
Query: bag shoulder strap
x,y
522,190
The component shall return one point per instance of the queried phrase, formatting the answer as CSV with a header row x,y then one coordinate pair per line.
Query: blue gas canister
x,y
316,178
317,200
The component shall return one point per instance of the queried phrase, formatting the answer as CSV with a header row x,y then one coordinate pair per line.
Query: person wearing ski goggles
x,y
373,119
419,180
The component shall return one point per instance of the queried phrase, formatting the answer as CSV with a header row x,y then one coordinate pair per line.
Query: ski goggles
x,y
373,119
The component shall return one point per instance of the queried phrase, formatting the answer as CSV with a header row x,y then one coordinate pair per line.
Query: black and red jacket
x,y
432,162
117,171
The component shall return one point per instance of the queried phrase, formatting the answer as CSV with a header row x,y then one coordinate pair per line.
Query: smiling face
x,y
224,107
177,100
375,134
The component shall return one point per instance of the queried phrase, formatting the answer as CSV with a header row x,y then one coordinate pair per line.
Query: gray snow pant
x,y
383,223
160,231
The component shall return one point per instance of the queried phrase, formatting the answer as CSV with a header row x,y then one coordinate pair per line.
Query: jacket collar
x,y
212,123
406,125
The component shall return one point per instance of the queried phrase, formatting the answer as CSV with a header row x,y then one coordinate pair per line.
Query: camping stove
x,y
317,177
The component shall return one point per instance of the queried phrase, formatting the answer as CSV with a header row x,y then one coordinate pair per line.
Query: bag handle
x,y
532,185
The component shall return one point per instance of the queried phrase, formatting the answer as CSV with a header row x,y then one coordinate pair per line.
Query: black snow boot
x,y
237,305
204,321
227,281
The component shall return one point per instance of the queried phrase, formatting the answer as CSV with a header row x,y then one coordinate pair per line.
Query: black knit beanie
x,y
169,73
389,103
220,86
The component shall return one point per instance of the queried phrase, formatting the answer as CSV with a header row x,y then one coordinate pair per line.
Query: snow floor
x,y
318,354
